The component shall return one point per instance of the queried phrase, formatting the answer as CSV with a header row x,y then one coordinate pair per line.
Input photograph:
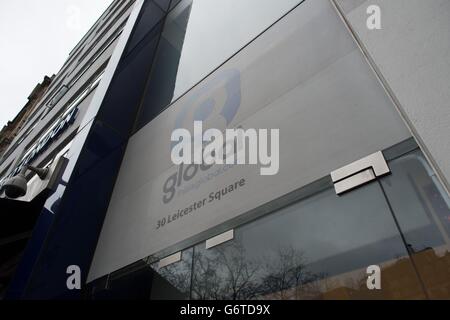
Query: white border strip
x,y
176,257
221,238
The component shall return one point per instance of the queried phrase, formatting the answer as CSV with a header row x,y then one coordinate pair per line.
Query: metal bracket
x,y
359,172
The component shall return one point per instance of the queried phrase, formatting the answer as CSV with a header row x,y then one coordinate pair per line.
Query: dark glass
x,y
421,206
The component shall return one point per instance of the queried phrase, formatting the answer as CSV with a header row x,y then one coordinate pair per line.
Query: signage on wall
x,y
45,141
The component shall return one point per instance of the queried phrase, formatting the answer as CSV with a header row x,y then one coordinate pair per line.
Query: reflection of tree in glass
x,y
227,272
178,274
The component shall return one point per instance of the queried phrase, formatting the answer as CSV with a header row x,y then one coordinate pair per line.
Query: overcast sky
x,y
36,37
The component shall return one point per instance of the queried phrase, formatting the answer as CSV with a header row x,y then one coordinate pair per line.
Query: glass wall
x,y
198,36
320,247
421,206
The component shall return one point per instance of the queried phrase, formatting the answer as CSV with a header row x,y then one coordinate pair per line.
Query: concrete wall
x,y
412,54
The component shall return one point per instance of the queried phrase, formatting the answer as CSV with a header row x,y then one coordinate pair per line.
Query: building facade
x,y
12,128
44,133
363,181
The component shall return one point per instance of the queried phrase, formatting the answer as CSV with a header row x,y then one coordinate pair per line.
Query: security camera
x,y
16,186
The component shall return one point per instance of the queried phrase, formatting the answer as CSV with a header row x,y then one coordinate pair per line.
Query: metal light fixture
x,y
16,187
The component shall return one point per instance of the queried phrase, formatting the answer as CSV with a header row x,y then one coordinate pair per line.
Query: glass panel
x,y
318,248
145,280
421,206
198,36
